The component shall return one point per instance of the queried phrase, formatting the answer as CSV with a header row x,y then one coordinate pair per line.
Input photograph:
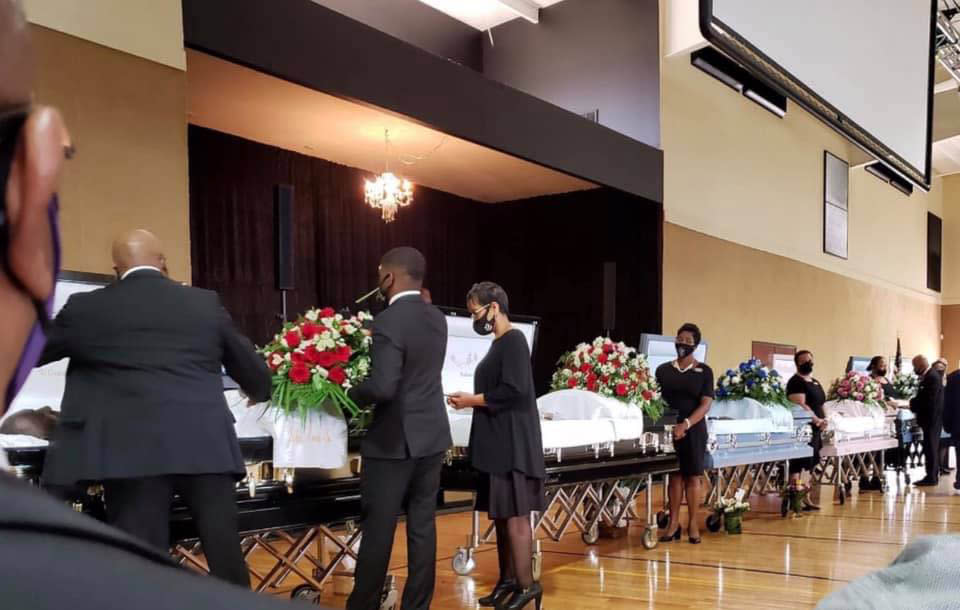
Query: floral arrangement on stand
x,y
613,370
316,359
857,387
793,494
731,510
906,385
753,380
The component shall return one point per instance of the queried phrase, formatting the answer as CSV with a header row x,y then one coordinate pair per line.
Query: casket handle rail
x,y
712,444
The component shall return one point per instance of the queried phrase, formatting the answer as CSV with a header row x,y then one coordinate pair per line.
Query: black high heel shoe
x,y
499,593
696,540
671,537
522,597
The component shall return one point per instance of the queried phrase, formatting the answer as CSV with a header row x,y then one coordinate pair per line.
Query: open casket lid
x,y
748,416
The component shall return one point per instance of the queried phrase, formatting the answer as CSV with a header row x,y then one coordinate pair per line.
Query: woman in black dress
x,y
687,387
505,445
807,392
878,372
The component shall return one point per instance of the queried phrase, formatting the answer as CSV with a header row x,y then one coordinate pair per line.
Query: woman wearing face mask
x,y
878,372
807,392
505,445
687,386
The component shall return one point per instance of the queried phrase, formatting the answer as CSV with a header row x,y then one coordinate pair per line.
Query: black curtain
x,y
547,252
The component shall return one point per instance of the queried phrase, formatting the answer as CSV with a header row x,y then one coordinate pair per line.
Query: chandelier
x,y
388,192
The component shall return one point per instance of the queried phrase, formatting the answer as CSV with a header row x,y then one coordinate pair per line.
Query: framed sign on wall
x,y
836,176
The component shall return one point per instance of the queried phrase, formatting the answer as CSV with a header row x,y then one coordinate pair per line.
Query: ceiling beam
x,y
527,9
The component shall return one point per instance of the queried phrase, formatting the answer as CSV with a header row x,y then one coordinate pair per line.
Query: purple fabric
x,y
33,348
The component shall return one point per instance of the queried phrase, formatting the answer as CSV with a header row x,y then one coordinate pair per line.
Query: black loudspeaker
x,y
283,235
609,295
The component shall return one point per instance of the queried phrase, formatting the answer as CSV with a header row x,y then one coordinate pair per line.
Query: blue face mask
x,y
33,347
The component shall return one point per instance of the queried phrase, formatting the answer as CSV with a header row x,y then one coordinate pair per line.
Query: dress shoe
x,y
499,593
696,540
925,482
521,597
671,537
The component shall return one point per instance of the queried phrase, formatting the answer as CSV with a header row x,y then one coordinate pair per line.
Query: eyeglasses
x,y
12,121
476,313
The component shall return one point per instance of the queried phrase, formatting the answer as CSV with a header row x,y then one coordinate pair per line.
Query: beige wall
x,y
735,171
127,117
152,29
743,255
738,295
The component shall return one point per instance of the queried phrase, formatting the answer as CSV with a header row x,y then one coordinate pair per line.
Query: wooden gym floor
x,y
775,563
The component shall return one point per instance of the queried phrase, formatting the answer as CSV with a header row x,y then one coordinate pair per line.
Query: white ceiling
x,y
483,14
252,105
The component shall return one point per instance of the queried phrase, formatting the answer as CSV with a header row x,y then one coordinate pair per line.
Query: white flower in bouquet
x,y
735,380
348,329
313,315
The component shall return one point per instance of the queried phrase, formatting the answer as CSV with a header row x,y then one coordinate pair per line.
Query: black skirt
x,y
511,494
816,441
692,449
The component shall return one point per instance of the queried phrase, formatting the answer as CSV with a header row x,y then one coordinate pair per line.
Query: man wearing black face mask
x,y
928,405
410,432
93,565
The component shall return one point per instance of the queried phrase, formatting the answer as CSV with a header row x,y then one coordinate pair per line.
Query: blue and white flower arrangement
x,y
753,380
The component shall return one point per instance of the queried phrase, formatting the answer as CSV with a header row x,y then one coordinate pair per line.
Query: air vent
x,y
733,75
891,177
592,116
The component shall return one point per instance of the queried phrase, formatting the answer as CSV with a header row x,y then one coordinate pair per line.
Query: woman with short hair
x,y
505,445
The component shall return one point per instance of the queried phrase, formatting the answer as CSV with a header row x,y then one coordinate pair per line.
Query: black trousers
x,y
141,507
931,449
385,485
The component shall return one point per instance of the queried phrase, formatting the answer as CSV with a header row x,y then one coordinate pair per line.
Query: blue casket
x,y
743,432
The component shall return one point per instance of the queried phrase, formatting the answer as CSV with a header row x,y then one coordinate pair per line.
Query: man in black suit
x,y
410,432
951,415
928,405
143,410
52,557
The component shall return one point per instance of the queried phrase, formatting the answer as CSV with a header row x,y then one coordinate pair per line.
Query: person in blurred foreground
x,y
923,575
52,557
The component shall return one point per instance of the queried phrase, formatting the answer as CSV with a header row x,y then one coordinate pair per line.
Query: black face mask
x,y
483,326
806,368
684,350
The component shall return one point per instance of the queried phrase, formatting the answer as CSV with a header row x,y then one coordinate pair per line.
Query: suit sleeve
x,y
61,335
241,360
923,402
515,375
386,370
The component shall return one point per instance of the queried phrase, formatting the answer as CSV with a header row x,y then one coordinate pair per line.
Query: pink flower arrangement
x,y
858,387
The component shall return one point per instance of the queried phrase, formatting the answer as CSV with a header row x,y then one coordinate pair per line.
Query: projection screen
x,y
865,67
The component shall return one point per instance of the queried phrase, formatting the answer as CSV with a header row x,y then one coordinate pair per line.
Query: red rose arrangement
x,y
316,359
610,369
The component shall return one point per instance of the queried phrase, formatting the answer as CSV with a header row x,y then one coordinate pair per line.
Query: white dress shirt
x,y
140,268
400,295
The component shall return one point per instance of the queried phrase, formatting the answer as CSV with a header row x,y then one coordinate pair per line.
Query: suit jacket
x,y
928,403
409,418
144,393
93,565
951,404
